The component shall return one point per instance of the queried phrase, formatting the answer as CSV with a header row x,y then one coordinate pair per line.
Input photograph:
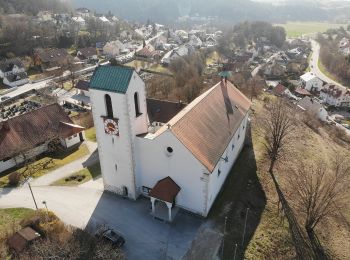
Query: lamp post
x,y
44,202
30,188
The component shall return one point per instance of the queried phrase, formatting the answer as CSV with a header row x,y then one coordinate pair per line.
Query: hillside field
x,y
296,29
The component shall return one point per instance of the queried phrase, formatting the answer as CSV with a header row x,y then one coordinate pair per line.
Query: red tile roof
x,y
26,131
86,53
165,189
302,91
207,125
279,89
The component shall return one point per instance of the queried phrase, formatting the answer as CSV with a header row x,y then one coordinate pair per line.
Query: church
x,y
176,155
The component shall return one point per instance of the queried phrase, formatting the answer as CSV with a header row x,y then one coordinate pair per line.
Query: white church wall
x,y
140,123
155,163
217,180
115,152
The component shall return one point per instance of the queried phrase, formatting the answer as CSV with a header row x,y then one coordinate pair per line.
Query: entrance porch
x,y
163,197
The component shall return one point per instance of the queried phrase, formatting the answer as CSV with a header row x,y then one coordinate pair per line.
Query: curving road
x,y
314,64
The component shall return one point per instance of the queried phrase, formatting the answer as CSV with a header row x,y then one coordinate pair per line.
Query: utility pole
x,y
245,225
223,240
30,188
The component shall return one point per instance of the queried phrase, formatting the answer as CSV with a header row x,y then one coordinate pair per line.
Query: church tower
x,y
119,110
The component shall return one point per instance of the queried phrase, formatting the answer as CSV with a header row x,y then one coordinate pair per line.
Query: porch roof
x,y
165,189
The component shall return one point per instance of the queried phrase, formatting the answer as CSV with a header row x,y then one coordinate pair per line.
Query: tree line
x,y
32,7
332,59
247,33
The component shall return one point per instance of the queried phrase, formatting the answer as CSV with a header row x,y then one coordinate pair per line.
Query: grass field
x,y
11,217
84,175
296,29
90,134
49,163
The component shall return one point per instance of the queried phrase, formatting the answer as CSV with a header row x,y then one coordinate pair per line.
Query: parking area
x,y
146,237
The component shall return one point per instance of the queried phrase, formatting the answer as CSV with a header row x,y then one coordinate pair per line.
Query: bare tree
x,y
316,190
276,127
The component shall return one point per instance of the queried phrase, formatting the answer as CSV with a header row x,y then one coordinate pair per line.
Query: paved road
x,y
314,64
38,85
70,168
146,238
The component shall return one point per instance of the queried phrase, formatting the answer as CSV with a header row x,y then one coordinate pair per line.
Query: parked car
x,y
113,237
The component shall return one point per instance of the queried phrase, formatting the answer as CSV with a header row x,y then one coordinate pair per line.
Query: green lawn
x,y
213,58
10,218
296,29
81,176
90,134
48,163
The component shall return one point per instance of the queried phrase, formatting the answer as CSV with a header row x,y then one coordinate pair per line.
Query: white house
x,y
13,73
181,164
337,96
314,107
80,21
33,133
311,82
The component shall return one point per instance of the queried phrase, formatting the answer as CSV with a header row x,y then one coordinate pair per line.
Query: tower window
x,y
137,105
109,108
169,149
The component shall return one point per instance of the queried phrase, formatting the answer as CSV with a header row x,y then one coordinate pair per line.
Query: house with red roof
x,y
31,134
335,95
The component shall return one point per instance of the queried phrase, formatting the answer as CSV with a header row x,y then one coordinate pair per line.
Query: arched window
x,y
109,107
137,106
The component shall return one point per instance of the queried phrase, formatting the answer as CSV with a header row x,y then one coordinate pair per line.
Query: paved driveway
x,y
146,238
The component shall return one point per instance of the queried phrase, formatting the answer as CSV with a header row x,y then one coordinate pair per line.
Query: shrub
x,y
14,179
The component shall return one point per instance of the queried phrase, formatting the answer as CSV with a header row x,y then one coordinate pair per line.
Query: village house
x,y
313,107
51,59
82,87
185,162
311,82
13,73
148,53
337,96
79,21
88,54
176,53
301,92
281,90
36,132
83,12
274,70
